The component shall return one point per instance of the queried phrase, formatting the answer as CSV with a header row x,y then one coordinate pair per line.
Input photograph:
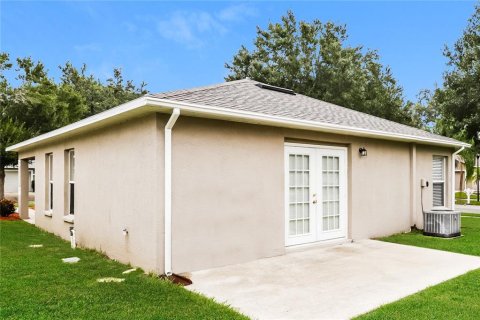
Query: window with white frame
x,y
49,182
71,181
438,180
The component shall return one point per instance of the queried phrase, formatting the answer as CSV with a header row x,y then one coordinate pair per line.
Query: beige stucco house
x,y
11,179
193,179
461,181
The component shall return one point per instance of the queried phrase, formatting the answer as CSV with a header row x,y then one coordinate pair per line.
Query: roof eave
x,y
256,118
93,122
151,104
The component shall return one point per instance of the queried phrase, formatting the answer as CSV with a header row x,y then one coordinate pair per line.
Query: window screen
x,y
438,181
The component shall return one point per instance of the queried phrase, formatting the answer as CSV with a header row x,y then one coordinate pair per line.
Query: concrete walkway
x,y
467,208
336,282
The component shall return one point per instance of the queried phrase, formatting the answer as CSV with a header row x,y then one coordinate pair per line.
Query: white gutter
x,y
152,104
260,118
97,118
168,191
453,175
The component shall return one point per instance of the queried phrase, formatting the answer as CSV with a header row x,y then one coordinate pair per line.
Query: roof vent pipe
x,y
168,191
274,88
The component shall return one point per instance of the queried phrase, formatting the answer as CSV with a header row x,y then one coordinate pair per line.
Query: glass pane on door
x,y
330,193
299,194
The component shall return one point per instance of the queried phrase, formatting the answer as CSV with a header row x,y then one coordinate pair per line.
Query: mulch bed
x,y
177,279
12,217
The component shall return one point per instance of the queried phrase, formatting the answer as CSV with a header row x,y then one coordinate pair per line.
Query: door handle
x,y
314,200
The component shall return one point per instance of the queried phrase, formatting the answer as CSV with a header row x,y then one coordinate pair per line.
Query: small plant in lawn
x,y
7,207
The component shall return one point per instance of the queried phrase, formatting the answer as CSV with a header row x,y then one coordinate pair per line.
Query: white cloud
x,y
189,27
237,13
192,27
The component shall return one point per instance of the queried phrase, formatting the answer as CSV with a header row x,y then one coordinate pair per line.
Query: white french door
x,y
316,193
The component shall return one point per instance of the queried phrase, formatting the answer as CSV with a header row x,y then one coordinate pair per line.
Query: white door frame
x,y
316,233
312,235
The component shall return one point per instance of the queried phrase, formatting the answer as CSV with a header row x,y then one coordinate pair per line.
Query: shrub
x,y
6,207
460,195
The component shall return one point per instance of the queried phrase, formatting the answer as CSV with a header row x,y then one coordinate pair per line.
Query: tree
x,y
98,96
10,131
469,156
313,59
459,99
457,103
38,104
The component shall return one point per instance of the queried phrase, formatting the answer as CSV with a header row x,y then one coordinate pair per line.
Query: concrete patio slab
x,y
336,282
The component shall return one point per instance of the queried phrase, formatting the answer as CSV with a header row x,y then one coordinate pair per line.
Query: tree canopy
x,y
455,107
458,102
313,58
36,103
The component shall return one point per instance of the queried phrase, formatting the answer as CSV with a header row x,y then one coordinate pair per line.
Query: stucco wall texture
x,y
227,188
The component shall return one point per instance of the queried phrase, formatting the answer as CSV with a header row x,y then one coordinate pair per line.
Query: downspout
x,y
168,191
453,175
413,185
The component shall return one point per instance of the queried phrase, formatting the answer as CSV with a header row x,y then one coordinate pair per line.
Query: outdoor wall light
x,y
125,232
362,151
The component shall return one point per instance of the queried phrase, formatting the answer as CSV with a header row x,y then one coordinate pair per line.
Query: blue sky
x,y
172,45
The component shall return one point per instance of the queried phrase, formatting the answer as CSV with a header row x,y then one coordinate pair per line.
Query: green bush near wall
x,y
460,195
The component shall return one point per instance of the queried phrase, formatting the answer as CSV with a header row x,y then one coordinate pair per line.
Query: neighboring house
x,y
11,178
461,181
198,178
460,173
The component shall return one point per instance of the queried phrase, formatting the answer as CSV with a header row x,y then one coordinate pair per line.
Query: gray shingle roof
x,y
247,95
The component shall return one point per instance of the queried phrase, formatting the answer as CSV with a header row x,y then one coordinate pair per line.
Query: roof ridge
x,y
202,88
373,120
248,103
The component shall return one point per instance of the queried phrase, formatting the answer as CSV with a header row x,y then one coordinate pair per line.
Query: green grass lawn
x,y
464,201
458,298
469,243
463,195
36,284
461,198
